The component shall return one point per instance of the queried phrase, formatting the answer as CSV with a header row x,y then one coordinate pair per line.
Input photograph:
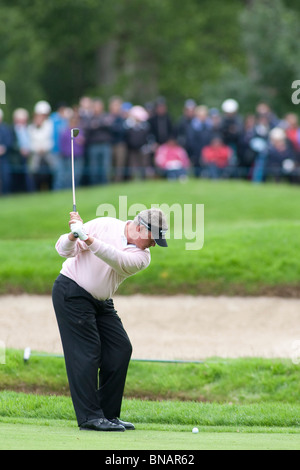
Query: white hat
x,y
20,113
277,134
230,106
138,112
42,107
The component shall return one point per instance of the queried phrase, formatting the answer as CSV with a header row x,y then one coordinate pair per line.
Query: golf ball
x,y
195,430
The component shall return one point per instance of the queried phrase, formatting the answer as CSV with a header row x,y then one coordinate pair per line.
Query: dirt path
x,y
180,327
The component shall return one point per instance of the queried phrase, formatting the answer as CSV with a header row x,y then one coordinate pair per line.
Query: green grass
x,y
32,406
250,238
246,403
238,381
40,422
35,435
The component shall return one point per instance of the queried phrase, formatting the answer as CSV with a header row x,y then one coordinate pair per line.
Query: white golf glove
x,y
78,231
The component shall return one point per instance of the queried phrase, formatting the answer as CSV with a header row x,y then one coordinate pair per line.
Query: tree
x,y
21,55
271,39
202,49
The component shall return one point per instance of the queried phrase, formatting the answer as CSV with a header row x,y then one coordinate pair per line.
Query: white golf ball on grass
x,y
195,430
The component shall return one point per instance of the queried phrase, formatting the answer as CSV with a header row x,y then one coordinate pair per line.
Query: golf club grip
x,y
74,208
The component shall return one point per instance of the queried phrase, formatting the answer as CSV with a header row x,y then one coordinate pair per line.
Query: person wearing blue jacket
x,y
6,144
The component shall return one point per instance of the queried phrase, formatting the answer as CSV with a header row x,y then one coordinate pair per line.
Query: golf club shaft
x,y
74,133
73,176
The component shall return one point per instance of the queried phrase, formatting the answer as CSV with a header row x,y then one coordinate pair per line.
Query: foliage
x,y
21,59
204,50
271,39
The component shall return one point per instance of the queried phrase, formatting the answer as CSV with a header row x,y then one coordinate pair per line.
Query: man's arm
x,y
69,246
125,263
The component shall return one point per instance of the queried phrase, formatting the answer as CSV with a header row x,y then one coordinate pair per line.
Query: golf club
x,y
74,133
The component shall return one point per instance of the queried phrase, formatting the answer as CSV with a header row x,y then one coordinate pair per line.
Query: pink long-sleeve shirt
x,y
101,267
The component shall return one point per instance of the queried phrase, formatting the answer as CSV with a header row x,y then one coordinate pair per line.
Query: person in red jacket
x,y
215,158
172,160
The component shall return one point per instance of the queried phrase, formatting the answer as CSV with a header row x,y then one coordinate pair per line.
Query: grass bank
x,y
236,381
20,407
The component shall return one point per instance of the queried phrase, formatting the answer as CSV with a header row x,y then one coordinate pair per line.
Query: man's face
x,y
143,238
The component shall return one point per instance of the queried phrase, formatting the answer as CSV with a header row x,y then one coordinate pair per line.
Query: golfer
x,y
100,255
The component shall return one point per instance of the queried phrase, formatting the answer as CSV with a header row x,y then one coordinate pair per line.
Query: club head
x,y
74,132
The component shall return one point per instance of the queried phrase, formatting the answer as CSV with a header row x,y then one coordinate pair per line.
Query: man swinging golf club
x,y
100,254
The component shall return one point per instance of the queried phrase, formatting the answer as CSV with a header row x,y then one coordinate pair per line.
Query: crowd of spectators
x,y
126,142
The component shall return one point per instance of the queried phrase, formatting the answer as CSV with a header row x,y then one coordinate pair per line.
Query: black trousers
x,y
96,348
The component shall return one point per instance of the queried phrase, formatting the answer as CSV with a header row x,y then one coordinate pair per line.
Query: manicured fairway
x,y
16,436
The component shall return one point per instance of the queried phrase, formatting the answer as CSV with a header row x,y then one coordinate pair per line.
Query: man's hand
x,y
76,227
74,217
77,230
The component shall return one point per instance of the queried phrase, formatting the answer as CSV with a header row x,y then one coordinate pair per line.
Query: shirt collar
x,y
124,238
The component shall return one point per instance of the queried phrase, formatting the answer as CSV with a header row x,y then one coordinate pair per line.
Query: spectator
x,y
216,120
281,160
125,108
292,130
137,137
150,108
85,112
43,164
232,125
65,163
198,136
99,138
172,160
215,159
160,122
263,110
253,141
247,153
6,144
22,180
183,124
59,120
118,142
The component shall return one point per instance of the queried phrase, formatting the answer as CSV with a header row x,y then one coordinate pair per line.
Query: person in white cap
x,y
137,137
100,254
42,164
231,131
22,149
